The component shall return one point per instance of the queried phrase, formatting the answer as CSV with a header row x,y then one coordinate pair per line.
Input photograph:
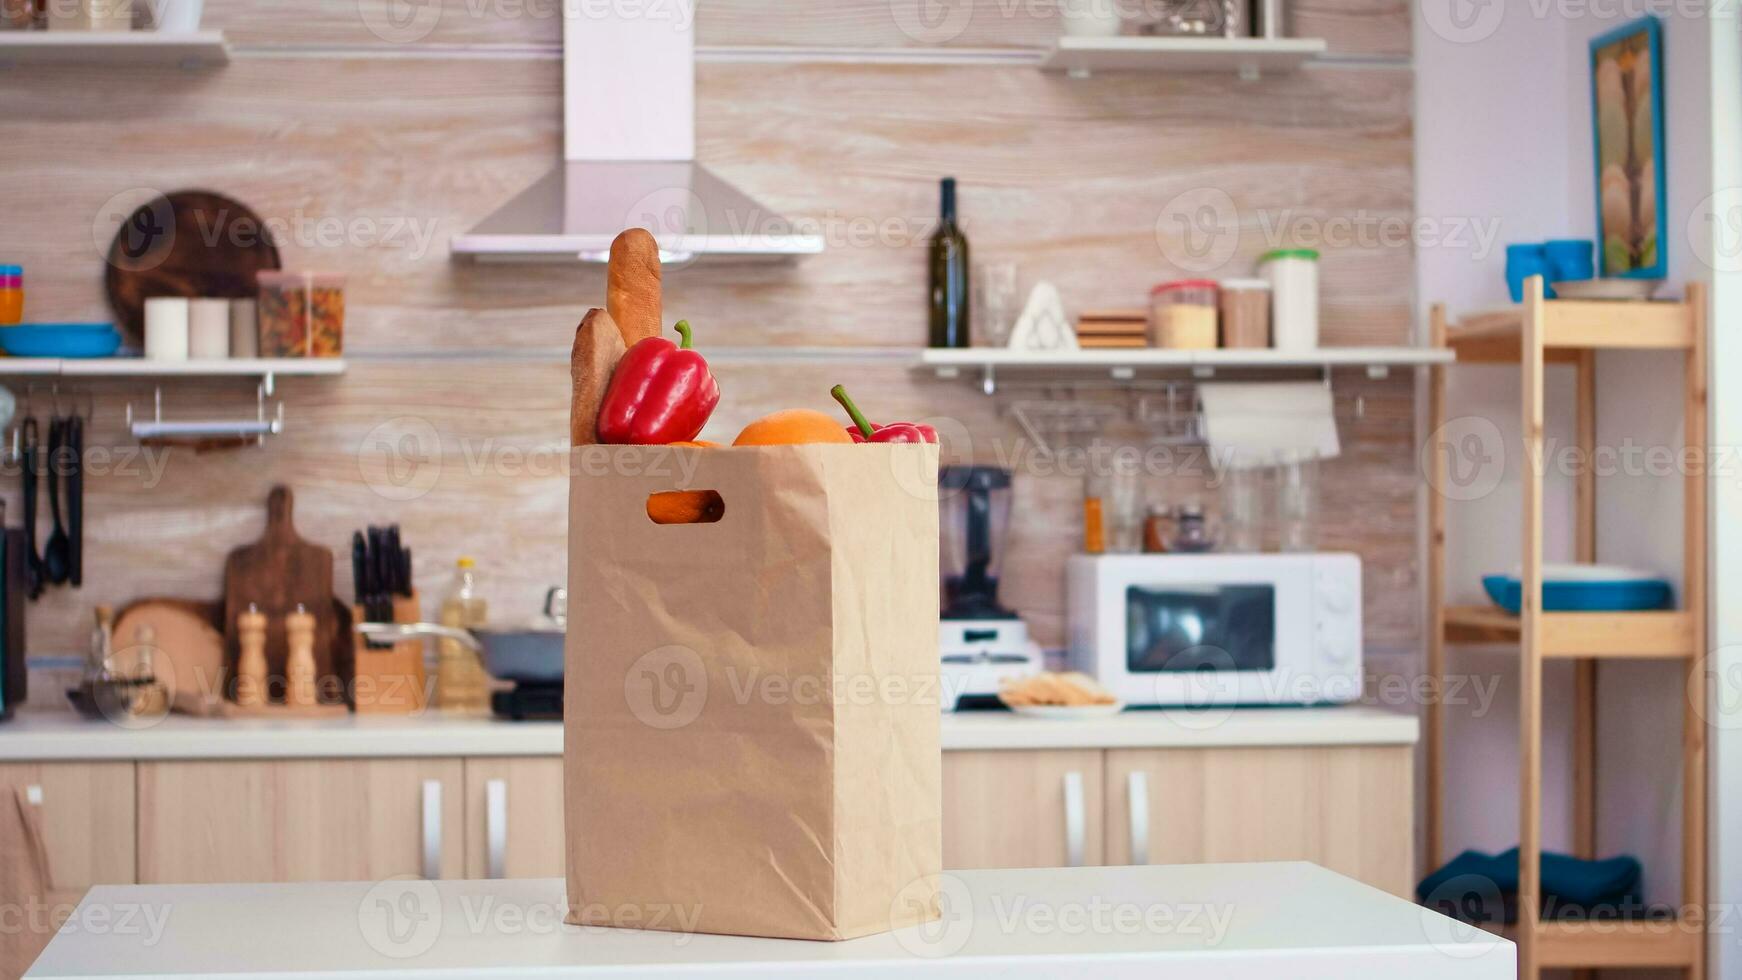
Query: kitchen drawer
x,y
514,817
1348,808
1022,809
87,810
300,820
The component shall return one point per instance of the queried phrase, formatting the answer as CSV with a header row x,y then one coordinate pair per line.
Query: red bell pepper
x,y
863,430
660,393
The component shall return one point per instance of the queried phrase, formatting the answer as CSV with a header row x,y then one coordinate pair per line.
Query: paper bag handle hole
x,y
685,507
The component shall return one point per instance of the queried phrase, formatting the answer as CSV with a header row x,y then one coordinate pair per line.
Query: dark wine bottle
x,y
949,276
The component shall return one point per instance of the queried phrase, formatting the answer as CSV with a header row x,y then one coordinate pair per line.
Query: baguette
x,y
632,288
598,347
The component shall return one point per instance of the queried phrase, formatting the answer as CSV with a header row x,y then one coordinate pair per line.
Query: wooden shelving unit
x,y
1533,335
194,49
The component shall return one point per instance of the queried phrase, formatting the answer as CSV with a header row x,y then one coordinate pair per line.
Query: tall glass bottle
x,y
461,683
949,276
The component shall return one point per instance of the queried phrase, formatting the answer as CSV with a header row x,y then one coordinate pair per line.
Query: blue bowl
x,y
74,340
1628,595
1571,260
1524,261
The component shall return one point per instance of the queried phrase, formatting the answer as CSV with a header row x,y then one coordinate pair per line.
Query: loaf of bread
x,y
632,286
598,347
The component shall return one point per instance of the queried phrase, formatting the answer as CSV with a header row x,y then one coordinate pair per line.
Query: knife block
x,y
390,680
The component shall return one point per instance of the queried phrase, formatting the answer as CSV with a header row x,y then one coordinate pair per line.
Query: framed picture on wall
x,y
1627,118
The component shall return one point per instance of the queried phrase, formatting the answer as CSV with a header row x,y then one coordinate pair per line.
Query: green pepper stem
x,y
683,330
859,419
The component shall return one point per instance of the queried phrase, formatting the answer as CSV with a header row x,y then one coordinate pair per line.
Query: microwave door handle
x,y
1137,793
1076,820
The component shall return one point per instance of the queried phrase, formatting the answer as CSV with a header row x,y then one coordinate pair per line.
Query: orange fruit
x,y
793,426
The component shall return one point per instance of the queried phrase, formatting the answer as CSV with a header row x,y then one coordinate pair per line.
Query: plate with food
x,y
1055,695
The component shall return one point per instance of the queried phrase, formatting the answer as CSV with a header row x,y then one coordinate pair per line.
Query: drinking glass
x,y
1297,503
1243,510
995,295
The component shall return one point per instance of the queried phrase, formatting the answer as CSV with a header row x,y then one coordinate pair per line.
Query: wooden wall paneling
x,y
855,149
307,136
1351,26
469,458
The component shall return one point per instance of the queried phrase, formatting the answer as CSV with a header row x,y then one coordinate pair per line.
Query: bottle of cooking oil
x,y
461,684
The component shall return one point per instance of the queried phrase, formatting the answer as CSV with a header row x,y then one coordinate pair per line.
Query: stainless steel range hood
x,y
629,149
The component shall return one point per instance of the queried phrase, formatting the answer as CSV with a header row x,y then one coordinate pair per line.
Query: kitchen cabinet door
x,y
1348,808
300,820
514,818
1022,809
87,821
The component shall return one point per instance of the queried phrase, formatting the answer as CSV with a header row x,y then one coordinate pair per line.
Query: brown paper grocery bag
x,y
751,705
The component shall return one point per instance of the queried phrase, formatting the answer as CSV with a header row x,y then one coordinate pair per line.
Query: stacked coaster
x,y
1113,329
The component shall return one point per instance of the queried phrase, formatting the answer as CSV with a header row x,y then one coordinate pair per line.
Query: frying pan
x,y
522,655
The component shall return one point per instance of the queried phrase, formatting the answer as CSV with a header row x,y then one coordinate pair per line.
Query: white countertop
x,y
64,736
1229,922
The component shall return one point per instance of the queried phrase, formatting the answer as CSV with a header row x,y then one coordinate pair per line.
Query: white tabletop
x,y
1230,922
63,736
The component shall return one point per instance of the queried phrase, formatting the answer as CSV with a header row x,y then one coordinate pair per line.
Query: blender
x,y
982,643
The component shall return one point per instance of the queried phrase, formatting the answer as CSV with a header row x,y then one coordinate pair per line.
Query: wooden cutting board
x,y
189,243
187,650
276,573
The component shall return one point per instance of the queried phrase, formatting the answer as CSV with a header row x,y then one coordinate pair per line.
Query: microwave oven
x,y
1218,629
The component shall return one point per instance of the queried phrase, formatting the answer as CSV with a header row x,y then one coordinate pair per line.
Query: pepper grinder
x,y
251,666
299,670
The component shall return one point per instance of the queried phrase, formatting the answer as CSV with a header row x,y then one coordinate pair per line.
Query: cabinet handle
x,y
1137,793
432,829
33,794
496,828
1075,820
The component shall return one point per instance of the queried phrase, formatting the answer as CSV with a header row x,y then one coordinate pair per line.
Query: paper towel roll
x,y
1249,425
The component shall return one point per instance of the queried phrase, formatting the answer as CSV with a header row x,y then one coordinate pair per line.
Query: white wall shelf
x,y
990,363
196,49
1246,57
265,369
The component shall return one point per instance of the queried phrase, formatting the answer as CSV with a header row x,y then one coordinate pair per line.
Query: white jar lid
x,y
1263,284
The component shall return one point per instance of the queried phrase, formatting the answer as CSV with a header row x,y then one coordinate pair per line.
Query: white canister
x,y
1090,18
166,328
244,328
208,329
1294,288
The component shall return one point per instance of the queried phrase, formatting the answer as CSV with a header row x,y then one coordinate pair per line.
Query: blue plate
x,y
1630,595
61,340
